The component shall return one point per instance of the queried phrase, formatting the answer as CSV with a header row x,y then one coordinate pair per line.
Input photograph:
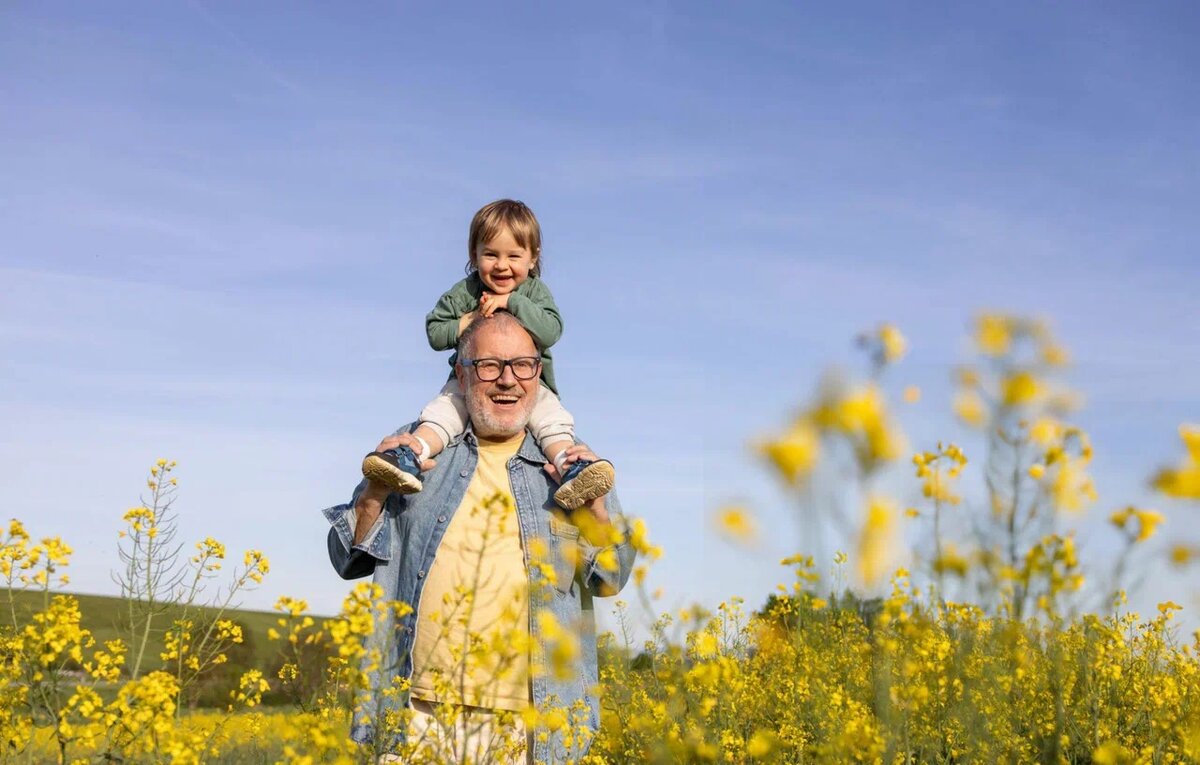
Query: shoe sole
x,y
596,480
380,470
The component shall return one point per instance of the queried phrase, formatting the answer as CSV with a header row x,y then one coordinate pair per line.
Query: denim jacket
x,y
400,549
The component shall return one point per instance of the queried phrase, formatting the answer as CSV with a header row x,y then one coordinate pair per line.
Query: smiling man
x,y
495,573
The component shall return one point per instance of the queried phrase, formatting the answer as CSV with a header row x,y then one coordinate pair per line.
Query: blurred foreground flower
x,y
736,524
938,470
859,414
1183,482
1139,525
795,452
875,539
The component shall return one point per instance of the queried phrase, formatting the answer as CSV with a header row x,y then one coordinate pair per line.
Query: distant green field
x,y
102,616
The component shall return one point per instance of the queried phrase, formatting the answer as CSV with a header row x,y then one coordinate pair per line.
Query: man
x,y
534,573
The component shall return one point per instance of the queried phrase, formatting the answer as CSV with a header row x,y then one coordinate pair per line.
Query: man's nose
x,y
507,377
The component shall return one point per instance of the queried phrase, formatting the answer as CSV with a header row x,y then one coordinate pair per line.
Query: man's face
x,y
500,408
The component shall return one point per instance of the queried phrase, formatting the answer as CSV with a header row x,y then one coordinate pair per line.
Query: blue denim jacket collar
x,y
529,451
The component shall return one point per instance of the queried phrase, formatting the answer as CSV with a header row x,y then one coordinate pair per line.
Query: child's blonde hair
x,y
498,216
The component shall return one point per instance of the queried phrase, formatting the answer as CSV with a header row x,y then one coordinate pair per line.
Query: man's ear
x,y
460,375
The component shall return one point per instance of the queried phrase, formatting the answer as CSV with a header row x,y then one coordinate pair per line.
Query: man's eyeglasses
x,y
487,370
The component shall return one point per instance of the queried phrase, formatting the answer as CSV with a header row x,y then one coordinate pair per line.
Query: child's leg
x,y
554,449
443,419
552,425
554,428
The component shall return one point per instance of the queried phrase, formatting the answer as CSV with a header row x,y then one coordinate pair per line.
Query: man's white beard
x,y
488,426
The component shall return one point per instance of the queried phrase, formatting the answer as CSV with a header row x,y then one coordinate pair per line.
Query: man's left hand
x,y
575,453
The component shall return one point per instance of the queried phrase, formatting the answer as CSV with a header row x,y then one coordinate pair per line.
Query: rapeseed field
x,y
992,641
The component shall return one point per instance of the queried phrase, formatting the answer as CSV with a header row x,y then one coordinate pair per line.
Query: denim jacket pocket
x,y
564,553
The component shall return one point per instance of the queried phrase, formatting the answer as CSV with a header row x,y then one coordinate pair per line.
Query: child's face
x,y
502,263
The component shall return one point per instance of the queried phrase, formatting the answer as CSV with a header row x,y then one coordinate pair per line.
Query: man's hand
x,y
406,439
575,453
371,499
489,303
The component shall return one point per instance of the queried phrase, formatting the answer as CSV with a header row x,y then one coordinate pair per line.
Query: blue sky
x,y
222,225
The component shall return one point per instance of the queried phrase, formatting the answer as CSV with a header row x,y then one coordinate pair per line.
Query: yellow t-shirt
x,y
471,645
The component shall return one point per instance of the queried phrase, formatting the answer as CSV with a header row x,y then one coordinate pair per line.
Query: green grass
x,y
103,615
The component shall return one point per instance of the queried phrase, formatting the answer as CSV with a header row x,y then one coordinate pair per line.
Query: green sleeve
x,y
533,305
441,324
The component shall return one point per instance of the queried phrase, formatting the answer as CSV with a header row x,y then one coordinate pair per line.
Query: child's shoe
x,y
396,468
584,481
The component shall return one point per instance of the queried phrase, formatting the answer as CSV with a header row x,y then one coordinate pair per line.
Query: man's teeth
x,y
504,399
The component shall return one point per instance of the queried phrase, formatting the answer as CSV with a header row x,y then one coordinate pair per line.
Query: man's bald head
x,y
500,321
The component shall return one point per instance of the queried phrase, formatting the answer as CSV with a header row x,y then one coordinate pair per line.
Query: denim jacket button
x,y
465,473
420,574
441,519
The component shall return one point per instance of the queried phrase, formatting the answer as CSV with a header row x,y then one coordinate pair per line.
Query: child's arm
x,y
533,306
445,322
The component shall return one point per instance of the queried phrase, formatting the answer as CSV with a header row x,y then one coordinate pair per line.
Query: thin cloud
x,y
260,62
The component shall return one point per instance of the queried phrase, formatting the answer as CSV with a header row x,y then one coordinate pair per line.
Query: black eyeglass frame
x,y
510,363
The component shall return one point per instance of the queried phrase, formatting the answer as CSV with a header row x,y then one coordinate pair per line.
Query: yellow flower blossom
x,y
993,334
1020,388
795,452
968,406
874,543
891,342
736,524
939,470
1183,482
1055,356
1145,522
1181,554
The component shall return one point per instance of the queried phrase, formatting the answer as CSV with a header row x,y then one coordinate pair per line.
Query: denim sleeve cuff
x,y
600,580
343,520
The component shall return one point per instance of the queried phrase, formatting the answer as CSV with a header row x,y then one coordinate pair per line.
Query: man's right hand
x,y
406,439
370,500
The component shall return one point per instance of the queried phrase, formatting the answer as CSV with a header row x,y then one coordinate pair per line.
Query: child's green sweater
x,y
531,304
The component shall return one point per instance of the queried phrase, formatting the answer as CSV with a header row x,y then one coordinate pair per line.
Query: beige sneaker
x,y
585,480
396,468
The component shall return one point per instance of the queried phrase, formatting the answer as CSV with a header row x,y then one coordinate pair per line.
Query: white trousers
x,y
474,736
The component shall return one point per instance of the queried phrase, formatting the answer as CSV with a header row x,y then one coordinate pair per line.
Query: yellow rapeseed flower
x,y
968,406
795,452
874,544
993,334
1111,753
1055,355
1020,388
1181,554
891,342
736,524
1183,482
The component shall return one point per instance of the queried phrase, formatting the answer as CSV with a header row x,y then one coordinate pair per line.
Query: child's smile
x,y
503,263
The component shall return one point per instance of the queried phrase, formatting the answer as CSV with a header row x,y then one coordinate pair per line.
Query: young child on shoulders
x,y
504,267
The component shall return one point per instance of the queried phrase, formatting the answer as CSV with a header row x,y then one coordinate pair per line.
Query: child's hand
x,y
465,320
489,303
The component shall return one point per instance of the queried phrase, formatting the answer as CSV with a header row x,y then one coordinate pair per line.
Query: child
x,y
504,262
